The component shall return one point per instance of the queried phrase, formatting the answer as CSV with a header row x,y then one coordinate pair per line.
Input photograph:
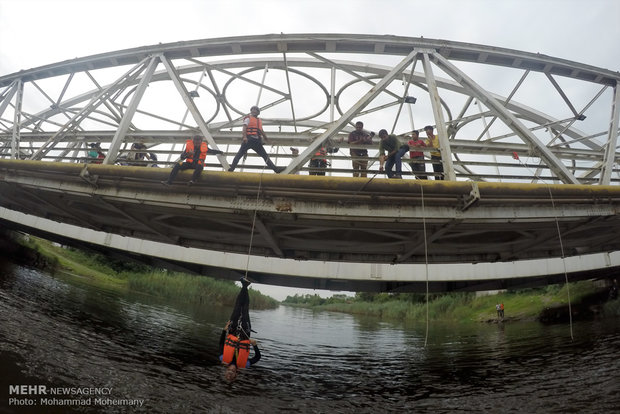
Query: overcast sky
x,y
39,32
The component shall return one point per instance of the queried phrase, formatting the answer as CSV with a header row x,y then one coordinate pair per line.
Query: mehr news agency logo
x,y
42,395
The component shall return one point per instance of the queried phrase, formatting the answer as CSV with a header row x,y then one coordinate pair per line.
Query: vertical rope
x,y
260,183
426,261
557,224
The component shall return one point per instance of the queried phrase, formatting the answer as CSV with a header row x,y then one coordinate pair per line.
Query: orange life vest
x,y
189,149
236,349
320,154
254,126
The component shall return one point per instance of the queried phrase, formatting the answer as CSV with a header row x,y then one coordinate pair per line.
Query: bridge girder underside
x,y
330,219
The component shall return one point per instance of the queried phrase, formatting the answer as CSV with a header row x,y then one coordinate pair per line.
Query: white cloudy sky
x,y
39,32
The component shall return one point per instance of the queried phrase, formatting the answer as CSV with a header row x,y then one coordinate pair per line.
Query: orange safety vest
x,y
254,126
320,154
236,349
189,149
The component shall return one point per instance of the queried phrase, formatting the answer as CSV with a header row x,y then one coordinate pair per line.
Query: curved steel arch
x,y
48,138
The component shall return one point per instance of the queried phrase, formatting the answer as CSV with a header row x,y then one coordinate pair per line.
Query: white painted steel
x,y
283,52
340,230
346,273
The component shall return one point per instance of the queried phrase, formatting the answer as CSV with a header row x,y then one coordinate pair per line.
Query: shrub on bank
x,y
105,271
526,304
195,289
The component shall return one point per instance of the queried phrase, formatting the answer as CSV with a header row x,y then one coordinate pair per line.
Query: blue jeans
x,y
395,160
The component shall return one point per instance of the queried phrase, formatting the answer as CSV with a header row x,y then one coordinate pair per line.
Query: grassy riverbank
x,y
548,303
588,298
104,272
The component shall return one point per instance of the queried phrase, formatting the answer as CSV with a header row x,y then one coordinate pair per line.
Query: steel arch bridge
x,y
311,89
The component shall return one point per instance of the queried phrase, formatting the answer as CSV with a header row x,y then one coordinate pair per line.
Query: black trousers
x,y
240,324
437,166
257,145
418,167
318,163
186,166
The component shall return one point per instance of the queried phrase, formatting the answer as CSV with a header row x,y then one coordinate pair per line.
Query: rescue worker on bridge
x,y
253,136
194,155
318,163
235,339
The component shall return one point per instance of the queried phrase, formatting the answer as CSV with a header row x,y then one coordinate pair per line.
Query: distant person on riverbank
x,y
193,157
235,339
501,310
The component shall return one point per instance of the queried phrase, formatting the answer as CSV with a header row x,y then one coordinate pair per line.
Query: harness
x,y
254,126
189,148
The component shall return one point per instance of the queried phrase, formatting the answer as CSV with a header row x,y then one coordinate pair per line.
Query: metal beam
x,y
174,76
119,135
562,94
508,118
612,139
267,235
82,114
440,123
17,120
347,116
7,95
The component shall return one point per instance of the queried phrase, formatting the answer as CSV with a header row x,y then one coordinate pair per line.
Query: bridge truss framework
x,y
311,88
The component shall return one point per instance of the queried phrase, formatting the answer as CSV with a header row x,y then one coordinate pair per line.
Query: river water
x,y
128,349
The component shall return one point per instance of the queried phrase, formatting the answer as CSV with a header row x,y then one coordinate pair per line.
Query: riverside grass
x,y
461,307
525,305
100,271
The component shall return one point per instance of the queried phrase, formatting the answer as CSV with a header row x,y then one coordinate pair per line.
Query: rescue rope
x,y
426,261
557,224
260,183
247,263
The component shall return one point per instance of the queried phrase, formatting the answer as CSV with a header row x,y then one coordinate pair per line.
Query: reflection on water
x,y
58,334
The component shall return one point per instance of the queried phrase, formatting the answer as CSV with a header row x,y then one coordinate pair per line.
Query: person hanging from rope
x,y
194,156
253,137
235,338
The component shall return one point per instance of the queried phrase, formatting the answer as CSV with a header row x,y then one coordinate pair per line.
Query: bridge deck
x,y
322,218
328,232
